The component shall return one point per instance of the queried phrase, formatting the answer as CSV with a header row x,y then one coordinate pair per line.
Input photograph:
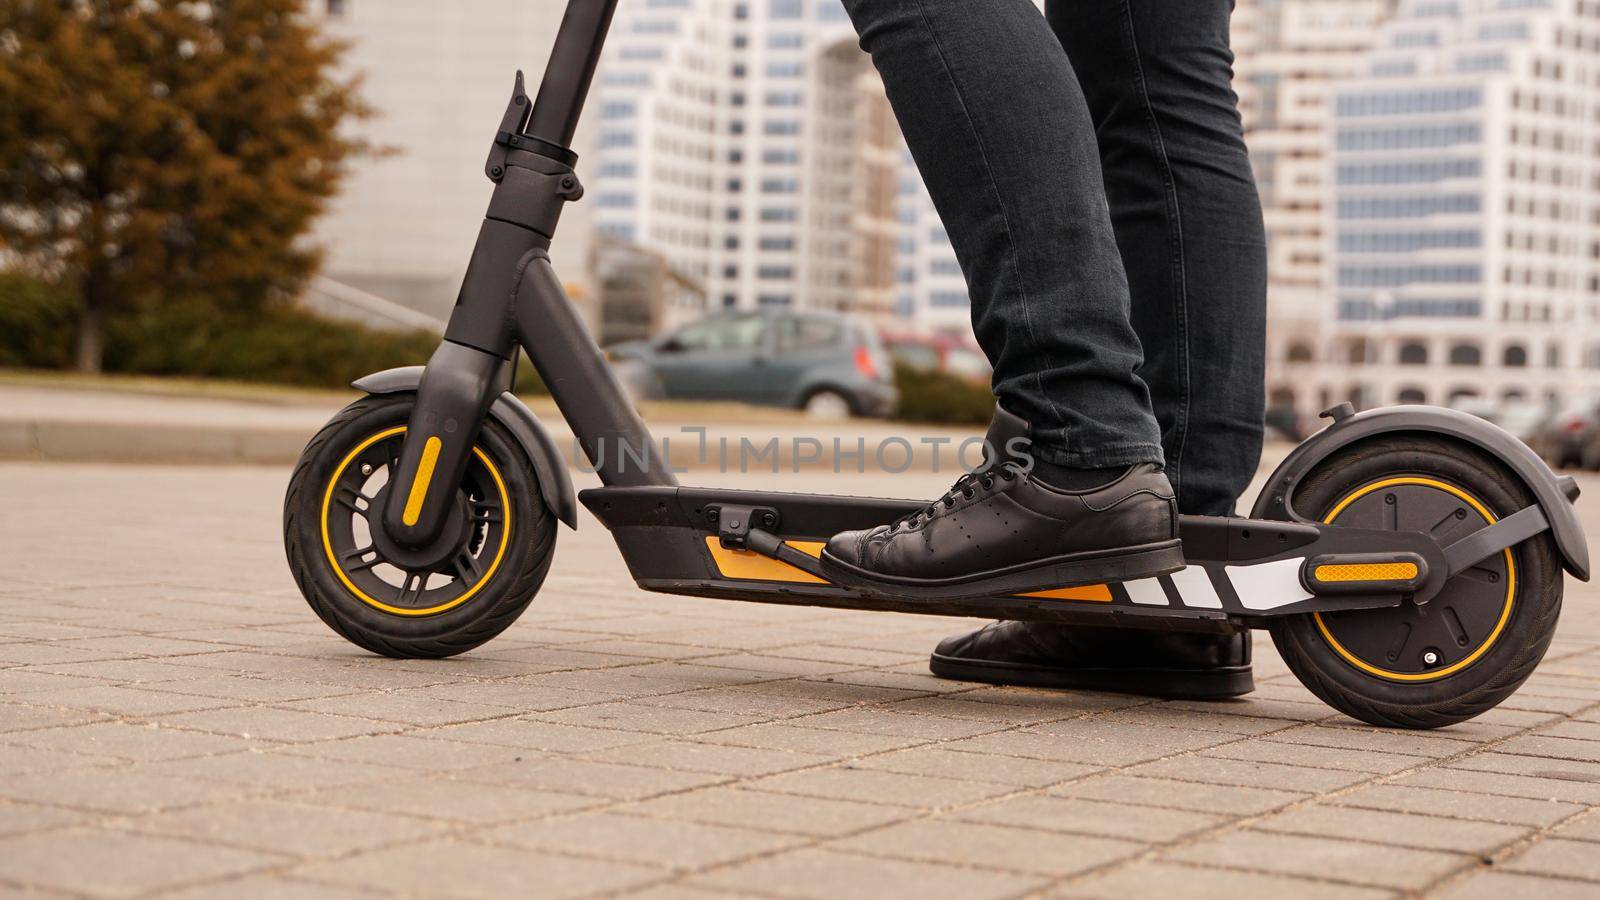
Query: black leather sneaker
x,y
1000,531
1169,664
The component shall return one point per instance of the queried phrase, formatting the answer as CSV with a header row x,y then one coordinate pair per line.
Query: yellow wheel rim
x,y
364,597
1505,612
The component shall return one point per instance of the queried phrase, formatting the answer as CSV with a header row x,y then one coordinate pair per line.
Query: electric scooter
x,y
1407,560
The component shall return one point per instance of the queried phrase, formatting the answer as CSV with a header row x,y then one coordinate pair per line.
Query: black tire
x,y
1589,457
523,547
847,405
1489,663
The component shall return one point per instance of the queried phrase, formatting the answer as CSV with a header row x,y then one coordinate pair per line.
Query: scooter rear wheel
x,y
1468,648
492,558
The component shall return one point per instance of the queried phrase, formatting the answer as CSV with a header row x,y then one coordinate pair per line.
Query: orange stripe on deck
x,y
1096,593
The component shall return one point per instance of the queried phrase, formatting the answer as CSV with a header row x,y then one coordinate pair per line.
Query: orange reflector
x,y
1397,571
747,565
419,486
1096,593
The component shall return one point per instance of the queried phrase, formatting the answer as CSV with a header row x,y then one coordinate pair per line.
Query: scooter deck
x,y
1241,571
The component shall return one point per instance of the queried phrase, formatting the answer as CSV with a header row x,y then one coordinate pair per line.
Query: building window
x,y
831,11
1407,137
1414,355
1408,102
1466,355
1299,352
1407,172
338,7
1515,356
1407,206
1411,395
1399,276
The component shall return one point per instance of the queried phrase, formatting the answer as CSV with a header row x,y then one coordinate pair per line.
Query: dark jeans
x,y
1100,201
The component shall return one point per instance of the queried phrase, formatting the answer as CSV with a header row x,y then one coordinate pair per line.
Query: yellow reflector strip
x,y
1398,571
419,485
1096,593
747,565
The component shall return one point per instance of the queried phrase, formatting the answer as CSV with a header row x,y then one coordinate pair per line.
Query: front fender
x,y
1551,493
555,484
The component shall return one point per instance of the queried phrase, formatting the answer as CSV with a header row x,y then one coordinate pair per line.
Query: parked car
x,y
830,365
1571,436
940,354
1521,419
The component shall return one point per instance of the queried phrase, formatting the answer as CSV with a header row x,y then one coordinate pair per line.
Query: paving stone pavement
x,y
175,722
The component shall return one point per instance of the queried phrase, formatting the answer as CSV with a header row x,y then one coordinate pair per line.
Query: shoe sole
x,y
1172,684
1071,570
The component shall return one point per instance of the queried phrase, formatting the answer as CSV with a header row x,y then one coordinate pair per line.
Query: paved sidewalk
x,y
174,721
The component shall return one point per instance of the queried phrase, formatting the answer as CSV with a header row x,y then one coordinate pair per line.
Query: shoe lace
x,y
966,487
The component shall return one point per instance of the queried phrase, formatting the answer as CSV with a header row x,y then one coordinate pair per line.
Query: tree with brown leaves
x,y
158,148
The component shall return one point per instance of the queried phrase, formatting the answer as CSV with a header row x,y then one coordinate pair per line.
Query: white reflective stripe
x,y
1269,585
1195,589
1146,591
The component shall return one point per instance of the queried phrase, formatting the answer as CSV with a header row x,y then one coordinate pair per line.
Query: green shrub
x,y
38,324
282,346
190,337
941,398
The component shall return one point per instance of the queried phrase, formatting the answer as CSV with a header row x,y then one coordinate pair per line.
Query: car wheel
x,y
638,381
1589,458
827,405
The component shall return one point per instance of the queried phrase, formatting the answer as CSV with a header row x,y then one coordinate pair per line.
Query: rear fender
x,y
1554,495
555,484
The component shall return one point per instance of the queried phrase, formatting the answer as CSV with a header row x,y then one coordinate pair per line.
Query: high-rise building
x,y
1464,225
931,294
438,76
1289,57
749,142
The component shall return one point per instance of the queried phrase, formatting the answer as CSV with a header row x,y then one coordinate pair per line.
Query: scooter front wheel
x,y
1469,647
402,602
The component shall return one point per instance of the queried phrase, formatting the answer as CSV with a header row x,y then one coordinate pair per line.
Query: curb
x,y
52,440
114,442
